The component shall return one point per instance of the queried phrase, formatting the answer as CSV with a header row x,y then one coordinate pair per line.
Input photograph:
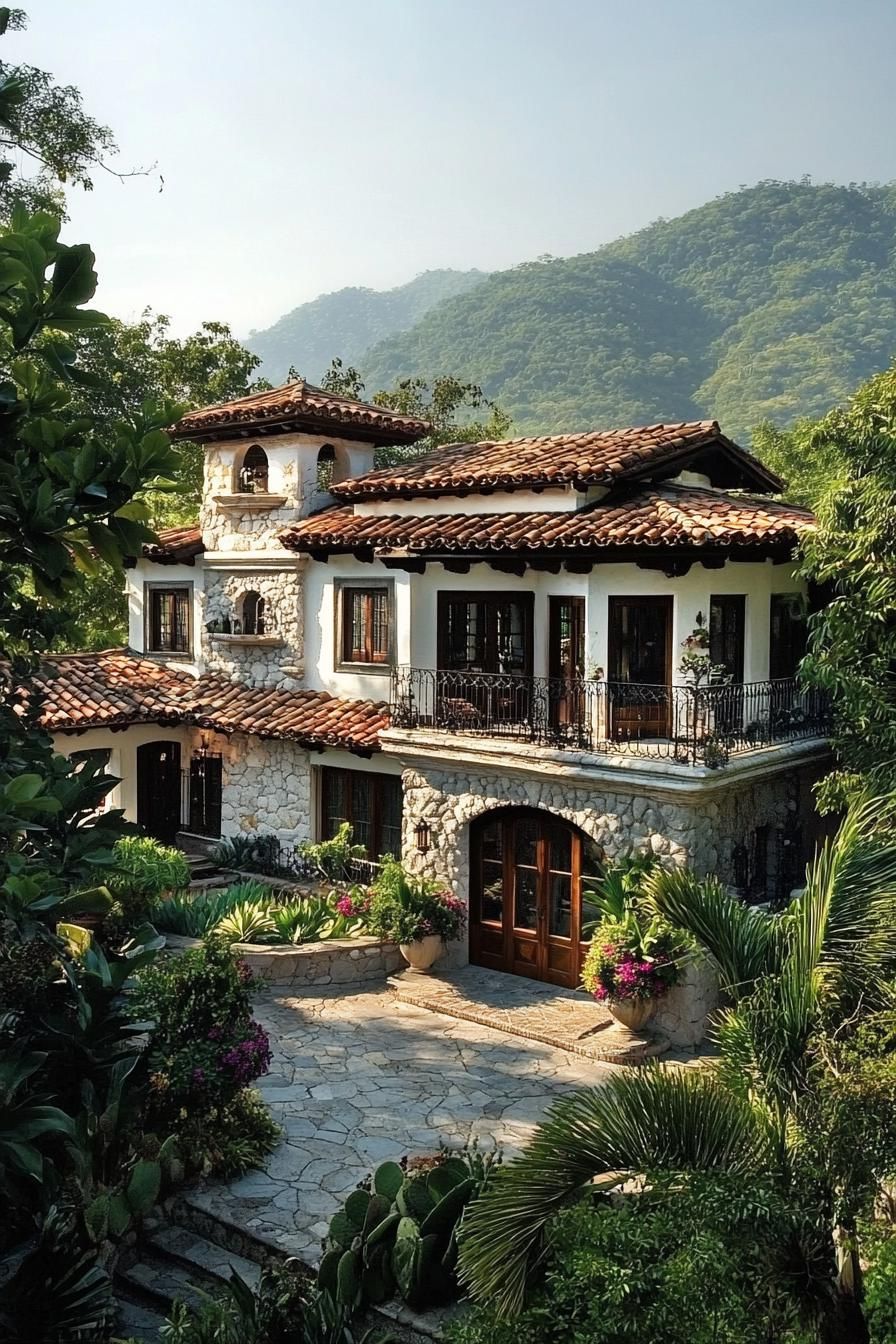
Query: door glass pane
x,y
560,838
640,639
509,653
525,906
560,904
492,890
525,834
493,841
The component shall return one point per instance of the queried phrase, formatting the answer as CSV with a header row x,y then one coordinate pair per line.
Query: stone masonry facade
x,y
259,664
700,831
267,787
231,529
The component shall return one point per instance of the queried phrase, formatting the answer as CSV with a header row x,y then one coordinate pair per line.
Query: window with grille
x,y
370,803
365,619
168,620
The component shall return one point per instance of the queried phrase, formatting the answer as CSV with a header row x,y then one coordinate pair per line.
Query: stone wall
x,y
267,787
682,1014
259,664
228,529
697,830
339,961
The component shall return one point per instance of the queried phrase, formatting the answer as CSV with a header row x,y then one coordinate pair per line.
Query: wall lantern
x,y
422,836
204,744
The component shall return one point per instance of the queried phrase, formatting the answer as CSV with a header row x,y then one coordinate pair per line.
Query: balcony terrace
x,y
703,725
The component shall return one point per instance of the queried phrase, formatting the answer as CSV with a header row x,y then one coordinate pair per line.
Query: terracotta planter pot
x,y
632,1013
422,952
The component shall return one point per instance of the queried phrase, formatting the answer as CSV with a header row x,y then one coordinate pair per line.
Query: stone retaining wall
x,y
682,1015
337,961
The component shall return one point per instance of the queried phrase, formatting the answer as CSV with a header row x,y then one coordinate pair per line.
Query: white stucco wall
x,y
145,572
416,611
123,759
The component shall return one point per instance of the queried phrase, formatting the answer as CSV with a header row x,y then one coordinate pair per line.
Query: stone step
x,y
136,1320
195,1252
158,1282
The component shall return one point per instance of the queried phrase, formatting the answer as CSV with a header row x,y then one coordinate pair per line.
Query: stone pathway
x,y
358,1077
530,1009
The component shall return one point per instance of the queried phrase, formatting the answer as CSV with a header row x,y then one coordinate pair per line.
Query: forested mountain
x,y
349,321
770,302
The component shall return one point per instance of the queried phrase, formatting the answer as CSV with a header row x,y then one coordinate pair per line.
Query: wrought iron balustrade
x,y
701,725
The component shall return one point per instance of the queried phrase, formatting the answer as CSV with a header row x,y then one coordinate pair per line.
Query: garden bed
x,y
336,961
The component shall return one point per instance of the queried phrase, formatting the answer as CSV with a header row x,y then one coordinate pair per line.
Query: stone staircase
x,y
174,1263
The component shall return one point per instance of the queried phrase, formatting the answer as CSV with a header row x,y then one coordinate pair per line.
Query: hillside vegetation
x,y
769,303
348,321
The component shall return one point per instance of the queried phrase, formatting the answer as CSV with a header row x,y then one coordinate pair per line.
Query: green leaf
x,y
23,788
74,279
144,1185
388,1180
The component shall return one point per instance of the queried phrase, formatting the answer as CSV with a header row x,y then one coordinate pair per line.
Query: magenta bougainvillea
x,y
619,966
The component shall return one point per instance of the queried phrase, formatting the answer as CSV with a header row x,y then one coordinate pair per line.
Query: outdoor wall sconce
x,y
204,744
422,836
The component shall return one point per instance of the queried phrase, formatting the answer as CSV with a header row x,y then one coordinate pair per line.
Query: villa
x,y
474,657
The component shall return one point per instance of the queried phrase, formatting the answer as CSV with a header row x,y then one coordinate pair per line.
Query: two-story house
x,y
507,661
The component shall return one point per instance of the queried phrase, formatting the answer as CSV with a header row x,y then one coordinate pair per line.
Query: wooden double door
x,y
530,913
640,666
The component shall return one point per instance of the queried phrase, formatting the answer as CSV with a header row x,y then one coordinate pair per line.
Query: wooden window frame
x,y
524,599
149,591
343,590
736,602
325,772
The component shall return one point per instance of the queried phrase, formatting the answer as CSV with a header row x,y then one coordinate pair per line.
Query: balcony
x,y
704,725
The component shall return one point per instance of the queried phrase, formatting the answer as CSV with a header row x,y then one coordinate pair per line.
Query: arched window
x,y
253,614
326,468
252,478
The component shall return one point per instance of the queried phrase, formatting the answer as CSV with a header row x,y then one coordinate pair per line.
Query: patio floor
x,y
361,1076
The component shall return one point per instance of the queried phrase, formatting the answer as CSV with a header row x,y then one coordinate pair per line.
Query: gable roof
x,y
118,688
646,516
598,457
299,406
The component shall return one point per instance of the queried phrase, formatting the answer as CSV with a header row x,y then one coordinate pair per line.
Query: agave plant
x,y
247,922
193,915
761,1110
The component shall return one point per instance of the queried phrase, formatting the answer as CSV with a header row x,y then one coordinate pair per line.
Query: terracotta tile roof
x,y
599,457
175,545
117,688
669,515
303,405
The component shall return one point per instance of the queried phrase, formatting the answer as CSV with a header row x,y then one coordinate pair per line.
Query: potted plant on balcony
x,y
415,912
635,956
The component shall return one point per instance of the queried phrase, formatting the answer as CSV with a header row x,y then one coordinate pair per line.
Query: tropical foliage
x,y
779,1107
634,953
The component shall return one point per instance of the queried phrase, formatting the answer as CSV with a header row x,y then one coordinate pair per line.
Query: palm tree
x,y
792,980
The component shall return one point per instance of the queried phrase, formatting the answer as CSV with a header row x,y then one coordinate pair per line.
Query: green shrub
x,y
230,1140
143,870
206,1045
253,852
683,1266
333,858
193,915
880,1292
249,912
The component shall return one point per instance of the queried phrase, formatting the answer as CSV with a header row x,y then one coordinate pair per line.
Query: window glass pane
x,y
379,626
362,809
525,904
493,841
390,817
366,625
169,623
788,634
335,802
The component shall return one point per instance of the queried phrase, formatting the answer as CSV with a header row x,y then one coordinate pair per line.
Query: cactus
x,y
388,1180
399,1233
96,1218
120,1215
143,1186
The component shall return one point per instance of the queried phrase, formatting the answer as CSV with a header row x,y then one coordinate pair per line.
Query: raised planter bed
x,y
336,961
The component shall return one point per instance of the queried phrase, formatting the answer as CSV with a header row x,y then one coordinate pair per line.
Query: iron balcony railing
x,y
702,725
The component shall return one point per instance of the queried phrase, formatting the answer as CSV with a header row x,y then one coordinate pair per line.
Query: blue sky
x,y
306,146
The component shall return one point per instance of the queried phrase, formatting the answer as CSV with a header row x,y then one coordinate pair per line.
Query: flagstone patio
x,y
359,1076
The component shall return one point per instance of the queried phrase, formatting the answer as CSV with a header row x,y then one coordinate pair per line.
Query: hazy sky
x,y
306,146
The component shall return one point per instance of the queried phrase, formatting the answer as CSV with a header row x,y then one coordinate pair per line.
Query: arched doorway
x,y
529,906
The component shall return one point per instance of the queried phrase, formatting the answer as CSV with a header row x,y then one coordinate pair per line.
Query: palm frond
x,y
648,1120
744,943
845,920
